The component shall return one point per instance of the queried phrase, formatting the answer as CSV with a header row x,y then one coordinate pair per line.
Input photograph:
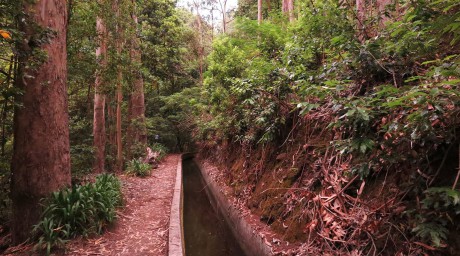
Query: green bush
x,y
161,149
138,168
437,215
80,210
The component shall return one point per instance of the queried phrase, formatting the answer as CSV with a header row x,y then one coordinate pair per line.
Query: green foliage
x,y
432,231
80,210
170,46
245,84
81,146
435,220
320,61
175,120
138,168
160,149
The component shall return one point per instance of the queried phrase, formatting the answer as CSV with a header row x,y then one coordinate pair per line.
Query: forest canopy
x,y
336,122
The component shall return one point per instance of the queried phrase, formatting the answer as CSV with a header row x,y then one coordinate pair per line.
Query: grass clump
x,y
80,210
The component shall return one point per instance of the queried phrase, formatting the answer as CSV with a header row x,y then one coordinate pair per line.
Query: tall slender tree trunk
x,y
119,92
381,5
361,17
41,158
284,6
259,11
291,10
223,10
111,143
99,100
136,108
201,51
119,131
287,7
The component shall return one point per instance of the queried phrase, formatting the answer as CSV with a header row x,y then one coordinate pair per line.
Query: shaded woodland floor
x,y
142,227
143,222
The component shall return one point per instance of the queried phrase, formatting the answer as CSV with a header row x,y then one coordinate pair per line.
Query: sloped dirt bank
x,y
256,236
305,200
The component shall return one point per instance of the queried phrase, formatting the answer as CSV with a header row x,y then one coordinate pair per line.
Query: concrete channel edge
x,y
250,240
175,243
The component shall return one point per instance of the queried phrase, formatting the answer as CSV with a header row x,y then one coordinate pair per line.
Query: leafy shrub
x,y
160,148
138,168
439,207
80,210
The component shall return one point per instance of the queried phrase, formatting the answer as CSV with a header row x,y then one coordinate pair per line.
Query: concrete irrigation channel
x,y
203,221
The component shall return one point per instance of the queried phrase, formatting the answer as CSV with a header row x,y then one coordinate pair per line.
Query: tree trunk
x,y
290,8
223,11
201,50
119,135
136,107
381,5
361,17
99,100
284,6
41,158
259,11
111,132
119,93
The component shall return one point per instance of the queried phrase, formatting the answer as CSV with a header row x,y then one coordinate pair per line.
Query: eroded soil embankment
x,y
306,200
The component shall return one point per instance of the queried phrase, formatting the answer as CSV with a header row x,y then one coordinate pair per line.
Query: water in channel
x,y
205,230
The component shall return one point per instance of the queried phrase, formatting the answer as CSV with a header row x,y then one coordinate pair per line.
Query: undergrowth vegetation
x,y
137,167
80,210
160,149
143,166
365,118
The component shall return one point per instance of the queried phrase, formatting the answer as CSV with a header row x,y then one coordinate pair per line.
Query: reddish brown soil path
x,y
142,225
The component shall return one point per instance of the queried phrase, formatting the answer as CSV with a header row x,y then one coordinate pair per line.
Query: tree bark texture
x,y
361,17
99,100
41,158
287,7
381,5
119,92
136,107
290,8
119,166
259,11
223,11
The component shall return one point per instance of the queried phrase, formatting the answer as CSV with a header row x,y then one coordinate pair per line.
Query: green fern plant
x,y
80,210
138,168
437,207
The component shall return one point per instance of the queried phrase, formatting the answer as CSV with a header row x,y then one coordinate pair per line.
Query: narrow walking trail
x,y
142,227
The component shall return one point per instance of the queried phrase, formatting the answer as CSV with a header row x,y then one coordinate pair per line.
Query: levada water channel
x,y
206,232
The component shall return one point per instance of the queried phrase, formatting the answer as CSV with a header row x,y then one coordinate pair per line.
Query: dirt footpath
x,y
142,227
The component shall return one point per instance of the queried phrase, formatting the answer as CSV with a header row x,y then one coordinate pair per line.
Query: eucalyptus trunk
x,y
99,135
41,158
119,92
290,8
259,11
136,107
